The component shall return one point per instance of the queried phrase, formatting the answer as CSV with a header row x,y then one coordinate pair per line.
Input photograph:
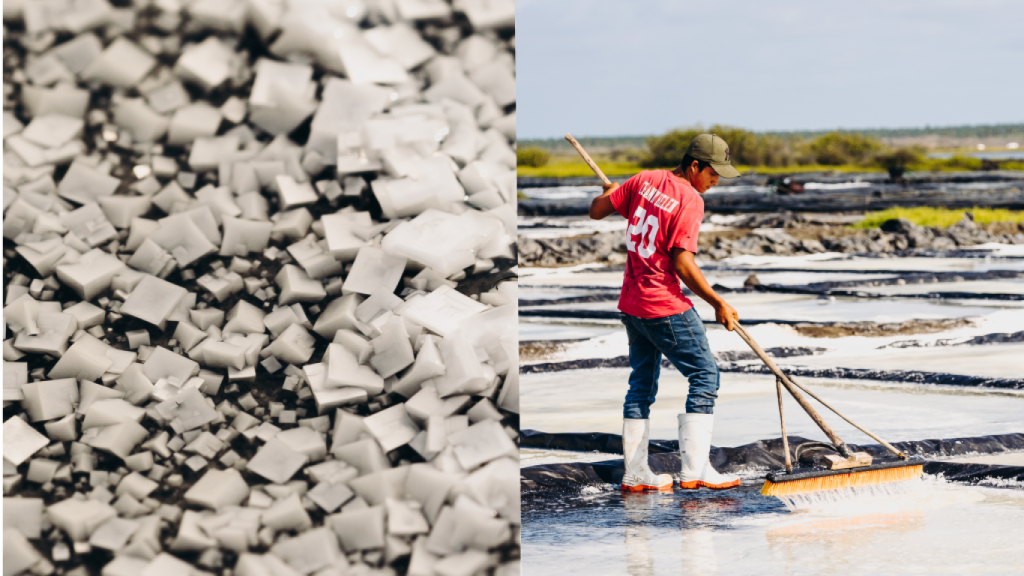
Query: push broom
x,y
845,469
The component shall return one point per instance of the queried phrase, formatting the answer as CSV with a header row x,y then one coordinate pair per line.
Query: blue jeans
x,y
682,339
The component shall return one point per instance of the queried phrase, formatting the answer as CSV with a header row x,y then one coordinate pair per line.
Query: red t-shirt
x,y
664,212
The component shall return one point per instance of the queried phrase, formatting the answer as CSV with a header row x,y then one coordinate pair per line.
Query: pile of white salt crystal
x,y
260,297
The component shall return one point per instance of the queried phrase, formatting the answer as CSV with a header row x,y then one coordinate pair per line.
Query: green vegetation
x,y
1008,131
532,156
941,217
838,148
572,167
747,148
764,153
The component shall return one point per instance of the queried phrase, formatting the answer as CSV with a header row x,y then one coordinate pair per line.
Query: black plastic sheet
x,y
763,455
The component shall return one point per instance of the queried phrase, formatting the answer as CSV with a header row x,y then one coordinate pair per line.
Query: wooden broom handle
x,y
586,158
836,440
788,381
782,419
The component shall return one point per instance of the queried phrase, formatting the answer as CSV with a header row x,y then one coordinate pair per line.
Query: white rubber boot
x,y
638,476
694,447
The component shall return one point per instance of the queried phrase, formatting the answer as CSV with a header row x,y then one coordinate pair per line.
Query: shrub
x,y
838,148
900,158
960,162
532,156
745,147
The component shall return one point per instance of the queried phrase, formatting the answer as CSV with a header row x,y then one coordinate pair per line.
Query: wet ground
x,y
935,528
878,324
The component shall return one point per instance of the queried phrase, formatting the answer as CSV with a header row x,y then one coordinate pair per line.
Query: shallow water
x,y
935,529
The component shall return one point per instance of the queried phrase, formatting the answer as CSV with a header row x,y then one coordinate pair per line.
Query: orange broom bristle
x,y
835,482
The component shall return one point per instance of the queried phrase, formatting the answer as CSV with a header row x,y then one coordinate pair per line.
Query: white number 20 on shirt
x,y
647,227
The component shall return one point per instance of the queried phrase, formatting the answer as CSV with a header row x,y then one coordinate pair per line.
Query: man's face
x,y
704,180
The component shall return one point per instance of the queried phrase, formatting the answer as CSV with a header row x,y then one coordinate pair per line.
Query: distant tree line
x,y
966,131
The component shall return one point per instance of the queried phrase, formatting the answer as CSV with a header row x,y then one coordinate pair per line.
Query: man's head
x,y
705,160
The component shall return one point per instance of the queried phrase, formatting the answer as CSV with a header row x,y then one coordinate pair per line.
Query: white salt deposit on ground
x,y
241,291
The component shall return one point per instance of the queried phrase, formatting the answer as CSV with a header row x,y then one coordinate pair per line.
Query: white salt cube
x,y
183,239
392,349
391,427
402,43
19,554
198,120
244,236
309,551
434,186
343,232
359,529
83,183
121,65
344,371
209,153
305,441
24,514
281,96
53,130
294,193
218,489
276,462
373,270
121,210
442,311
207,64
293,346
79,518
365,64
92,274
141,121
21,441
153,300
344,107
297,286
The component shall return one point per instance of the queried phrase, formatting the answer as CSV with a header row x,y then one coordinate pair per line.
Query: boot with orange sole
x,y
638,475
694,448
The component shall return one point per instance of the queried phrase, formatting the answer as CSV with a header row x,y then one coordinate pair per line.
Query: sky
x,y
639,67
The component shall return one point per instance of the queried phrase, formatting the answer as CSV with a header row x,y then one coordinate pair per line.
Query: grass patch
x,y
941,217
558,167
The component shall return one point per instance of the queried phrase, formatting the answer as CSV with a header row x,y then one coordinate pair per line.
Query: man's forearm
x,y
693,279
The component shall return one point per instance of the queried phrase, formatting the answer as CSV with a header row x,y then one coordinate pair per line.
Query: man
x,y
664,209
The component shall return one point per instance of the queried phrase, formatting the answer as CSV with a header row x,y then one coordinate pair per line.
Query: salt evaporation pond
x,y
935,528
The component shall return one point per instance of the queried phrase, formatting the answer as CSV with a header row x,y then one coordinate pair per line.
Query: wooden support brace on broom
x,y
845,471
850,459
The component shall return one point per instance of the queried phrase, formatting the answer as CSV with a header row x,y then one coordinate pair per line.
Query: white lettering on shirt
x,y
657,198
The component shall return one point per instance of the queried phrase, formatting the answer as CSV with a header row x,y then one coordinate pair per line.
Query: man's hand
x,y
687,270
726,315
601,207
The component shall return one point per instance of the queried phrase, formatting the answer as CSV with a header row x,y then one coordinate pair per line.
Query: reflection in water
x,y
698,552
697,518
841,537
637,507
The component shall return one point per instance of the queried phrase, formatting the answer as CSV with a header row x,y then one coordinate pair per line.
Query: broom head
x,y
802,481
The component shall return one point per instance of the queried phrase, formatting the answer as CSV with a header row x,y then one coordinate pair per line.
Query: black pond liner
x,y
760,456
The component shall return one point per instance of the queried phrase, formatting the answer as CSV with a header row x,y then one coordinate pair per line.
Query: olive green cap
x,y
713,150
